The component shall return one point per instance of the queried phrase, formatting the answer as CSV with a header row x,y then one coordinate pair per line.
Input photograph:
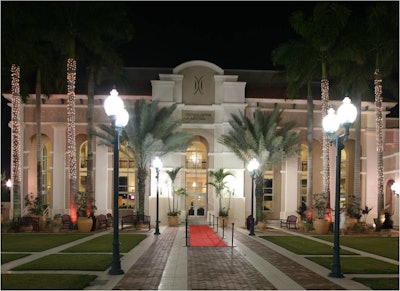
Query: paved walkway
x,y
166,262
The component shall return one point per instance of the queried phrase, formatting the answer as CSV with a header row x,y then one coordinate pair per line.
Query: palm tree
x,y
219,185
16,140
25,43
300,70
151,131
319,39
384,28
369,49
264,138
88,34
172,175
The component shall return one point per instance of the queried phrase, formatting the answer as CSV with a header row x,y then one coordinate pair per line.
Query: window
x,y
83,166
43,174
196,178
268,194
127,180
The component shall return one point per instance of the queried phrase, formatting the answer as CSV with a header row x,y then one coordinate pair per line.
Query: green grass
x,y
45,281
5,258
104,244
358,265
33,242
303,246
382,246
88,262
379,283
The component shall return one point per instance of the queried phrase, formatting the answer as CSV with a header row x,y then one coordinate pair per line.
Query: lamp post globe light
x,y
252,167
114,108
158,165
346,115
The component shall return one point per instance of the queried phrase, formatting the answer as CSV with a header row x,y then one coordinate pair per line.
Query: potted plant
x,y
221,188
320,224
173,216
302,212
174,212
55,223
36,208
85,211
353,212
7,226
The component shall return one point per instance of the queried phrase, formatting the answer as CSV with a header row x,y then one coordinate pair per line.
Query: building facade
x,y
206,96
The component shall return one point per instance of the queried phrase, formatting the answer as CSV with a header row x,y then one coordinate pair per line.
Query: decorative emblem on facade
x,y
198,85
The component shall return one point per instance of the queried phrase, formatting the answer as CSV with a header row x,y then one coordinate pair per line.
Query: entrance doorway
x,y
196,204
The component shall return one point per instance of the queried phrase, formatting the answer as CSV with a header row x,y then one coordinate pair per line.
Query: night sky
x,y
233,35
230,34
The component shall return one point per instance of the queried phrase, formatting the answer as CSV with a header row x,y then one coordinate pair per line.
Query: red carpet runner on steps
x,y
204,236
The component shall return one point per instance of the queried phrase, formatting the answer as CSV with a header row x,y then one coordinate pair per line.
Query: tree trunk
x,y
89,166
357,151
38,92
325,147
379,143
310,139
16,140
71,143
142,174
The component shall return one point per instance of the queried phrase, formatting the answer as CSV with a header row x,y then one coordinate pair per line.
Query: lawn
x,y
88,262
303,246
93,255
379,283
103,244
358,265
382,246
36,242
45,281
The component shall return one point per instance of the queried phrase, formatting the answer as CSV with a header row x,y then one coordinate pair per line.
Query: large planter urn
x,y
173,220
85,224
223,221
261,225
351,222
42,223
321,226
300,225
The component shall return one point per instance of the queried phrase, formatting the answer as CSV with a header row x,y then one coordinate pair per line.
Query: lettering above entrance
x,y
189,116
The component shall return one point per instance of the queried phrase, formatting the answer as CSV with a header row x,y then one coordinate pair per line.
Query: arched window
x,y
303,173
83,150
127,195
196,178
45,168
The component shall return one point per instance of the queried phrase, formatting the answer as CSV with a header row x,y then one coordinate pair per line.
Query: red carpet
x,y
204,236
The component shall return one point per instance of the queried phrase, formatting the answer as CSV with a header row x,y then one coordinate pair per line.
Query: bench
x,y
135,220
27,221
102,219
289,221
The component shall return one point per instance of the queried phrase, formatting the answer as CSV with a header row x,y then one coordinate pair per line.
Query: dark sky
x,y
231,34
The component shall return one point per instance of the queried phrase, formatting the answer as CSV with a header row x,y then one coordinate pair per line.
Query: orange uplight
x,y
328,215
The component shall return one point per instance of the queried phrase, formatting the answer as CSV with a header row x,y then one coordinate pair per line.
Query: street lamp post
x,y
346,115
158,165
252,167
114,107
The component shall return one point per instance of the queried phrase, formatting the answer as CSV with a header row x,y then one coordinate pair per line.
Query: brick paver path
x,y
222,268
301,275
146,273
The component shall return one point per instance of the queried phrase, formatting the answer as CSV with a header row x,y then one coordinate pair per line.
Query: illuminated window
x,y
268,193
196,178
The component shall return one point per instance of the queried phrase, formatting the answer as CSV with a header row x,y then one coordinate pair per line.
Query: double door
x,y
196,204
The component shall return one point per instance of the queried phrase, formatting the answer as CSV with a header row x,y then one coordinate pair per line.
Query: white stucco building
x,y
206,96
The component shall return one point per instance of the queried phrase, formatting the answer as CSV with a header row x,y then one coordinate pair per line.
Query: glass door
x,y
196,204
